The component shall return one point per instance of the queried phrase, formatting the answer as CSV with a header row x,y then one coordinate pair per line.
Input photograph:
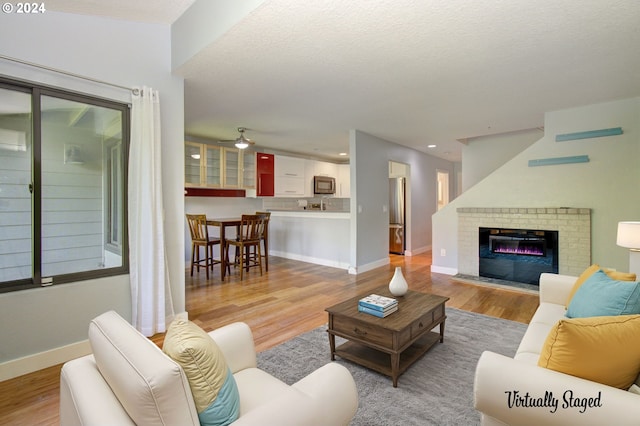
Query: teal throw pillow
x,y
601,296
212,384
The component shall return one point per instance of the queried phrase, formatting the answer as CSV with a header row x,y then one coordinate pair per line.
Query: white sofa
x,y
128,380
496,375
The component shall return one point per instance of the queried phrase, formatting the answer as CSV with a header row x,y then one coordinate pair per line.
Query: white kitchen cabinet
x,y
323,168
289,166
289,176
319,168
289,187
343,181
309,172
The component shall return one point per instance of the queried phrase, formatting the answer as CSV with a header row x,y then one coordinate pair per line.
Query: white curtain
x,y
151,300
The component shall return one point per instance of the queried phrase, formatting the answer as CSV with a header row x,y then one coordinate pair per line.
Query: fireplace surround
x,y
572,224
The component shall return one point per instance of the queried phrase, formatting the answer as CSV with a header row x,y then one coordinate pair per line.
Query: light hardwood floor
x,y
286,301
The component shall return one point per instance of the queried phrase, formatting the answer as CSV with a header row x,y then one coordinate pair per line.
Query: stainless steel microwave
x,y
324,185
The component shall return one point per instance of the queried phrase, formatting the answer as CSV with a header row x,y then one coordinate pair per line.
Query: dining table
x,y
222,224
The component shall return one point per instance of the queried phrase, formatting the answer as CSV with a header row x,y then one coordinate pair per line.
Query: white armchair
x,y
128,380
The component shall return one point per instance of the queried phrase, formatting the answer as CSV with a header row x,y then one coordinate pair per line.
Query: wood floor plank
x,y
288,300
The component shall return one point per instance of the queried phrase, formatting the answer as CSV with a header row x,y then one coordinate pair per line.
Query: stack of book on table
x,y
379,306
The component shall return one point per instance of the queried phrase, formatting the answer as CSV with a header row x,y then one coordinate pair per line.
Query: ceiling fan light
x,y
241,144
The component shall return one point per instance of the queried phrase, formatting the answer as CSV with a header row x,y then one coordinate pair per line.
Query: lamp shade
x,y
629,235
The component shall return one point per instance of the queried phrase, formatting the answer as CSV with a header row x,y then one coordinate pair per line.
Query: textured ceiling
x,y
299,75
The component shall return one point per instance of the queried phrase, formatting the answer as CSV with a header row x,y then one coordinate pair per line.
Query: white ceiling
x,y
153,11
299,74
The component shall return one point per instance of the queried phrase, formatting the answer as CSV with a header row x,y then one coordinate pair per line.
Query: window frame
x,y
37,91
112,192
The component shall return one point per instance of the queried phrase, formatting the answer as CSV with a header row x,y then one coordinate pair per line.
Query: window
x,y
113,196
62,186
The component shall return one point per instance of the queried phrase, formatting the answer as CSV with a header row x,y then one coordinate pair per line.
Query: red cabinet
x,y
265,166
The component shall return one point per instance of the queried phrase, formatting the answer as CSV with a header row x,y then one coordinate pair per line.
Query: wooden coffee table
x,y
387,345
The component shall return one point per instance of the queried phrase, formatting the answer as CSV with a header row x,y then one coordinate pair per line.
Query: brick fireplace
x,y
572,224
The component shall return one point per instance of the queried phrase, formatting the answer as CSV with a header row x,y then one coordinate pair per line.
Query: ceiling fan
x,y
241,142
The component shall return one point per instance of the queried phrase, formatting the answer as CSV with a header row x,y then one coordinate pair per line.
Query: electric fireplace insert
x,y
519,255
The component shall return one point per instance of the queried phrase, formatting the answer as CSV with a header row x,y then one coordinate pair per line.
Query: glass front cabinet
x,y
210,166
249,170
231,168
192,169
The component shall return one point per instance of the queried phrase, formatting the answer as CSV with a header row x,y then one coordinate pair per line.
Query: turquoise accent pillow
x,y
225,408
601,296
212,384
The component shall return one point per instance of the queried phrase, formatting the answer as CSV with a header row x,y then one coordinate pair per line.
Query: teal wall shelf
x,y
589,134
559,160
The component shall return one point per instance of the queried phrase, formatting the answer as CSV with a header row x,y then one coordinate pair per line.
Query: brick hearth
x,y
573,226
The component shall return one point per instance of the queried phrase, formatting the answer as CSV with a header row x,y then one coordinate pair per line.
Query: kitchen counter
x,y
325,214
315,236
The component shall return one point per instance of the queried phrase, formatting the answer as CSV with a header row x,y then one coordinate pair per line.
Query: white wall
x,y
370,158
123,53
216,207
608,184
483,155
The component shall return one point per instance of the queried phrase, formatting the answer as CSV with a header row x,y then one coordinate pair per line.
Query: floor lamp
x,y
629,237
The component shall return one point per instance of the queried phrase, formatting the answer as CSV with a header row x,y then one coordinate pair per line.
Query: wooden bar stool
x,y
266,216
251,228
200,238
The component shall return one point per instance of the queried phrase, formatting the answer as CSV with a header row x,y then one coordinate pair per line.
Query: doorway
x,y
398,208
443,188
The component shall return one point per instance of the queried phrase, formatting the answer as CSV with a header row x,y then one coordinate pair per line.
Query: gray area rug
x,y
436,390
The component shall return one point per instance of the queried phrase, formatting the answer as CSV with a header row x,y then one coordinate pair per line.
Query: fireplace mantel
x,y
573,226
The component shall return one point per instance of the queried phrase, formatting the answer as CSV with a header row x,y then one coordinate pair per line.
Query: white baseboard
x,y
342,265
443,270
369,266
309,259
30,363
418,250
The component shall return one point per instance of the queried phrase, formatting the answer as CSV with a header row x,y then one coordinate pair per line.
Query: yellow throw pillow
x,y
618,276
214,388
601,349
